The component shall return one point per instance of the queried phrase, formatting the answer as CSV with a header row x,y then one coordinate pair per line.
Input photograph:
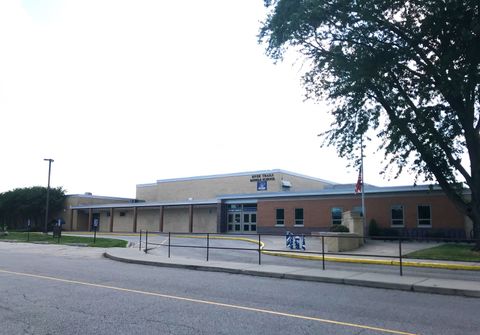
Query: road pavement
x,y
52,289
354,269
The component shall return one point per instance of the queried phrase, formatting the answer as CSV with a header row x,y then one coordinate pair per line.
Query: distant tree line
x,y
22,204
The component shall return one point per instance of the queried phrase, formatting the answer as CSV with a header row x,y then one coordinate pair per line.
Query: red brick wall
x,y
317,210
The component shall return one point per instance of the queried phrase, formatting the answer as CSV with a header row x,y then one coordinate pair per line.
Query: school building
x,y
272,201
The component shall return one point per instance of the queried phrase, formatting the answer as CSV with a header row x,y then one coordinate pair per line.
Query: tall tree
x,y
407,70
21,204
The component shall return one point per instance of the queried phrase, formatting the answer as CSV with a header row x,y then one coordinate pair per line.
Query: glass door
x,y
249,223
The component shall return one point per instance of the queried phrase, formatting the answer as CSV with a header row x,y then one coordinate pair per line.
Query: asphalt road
x,y
68,290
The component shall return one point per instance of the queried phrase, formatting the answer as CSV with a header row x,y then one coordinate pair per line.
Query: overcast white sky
x,y
124,92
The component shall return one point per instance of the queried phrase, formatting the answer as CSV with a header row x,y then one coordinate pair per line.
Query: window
x,y
396,213
424,216
280,217
336,215
298,216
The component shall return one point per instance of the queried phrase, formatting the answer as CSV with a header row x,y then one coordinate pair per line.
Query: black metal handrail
x,y
259,248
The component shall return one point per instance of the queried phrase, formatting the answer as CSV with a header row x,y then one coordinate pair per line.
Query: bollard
x,y
28,230
323,252
140,243
146,241
259,250
400,254
168,244
208,244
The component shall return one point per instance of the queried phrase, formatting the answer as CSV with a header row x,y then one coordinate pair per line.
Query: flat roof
x,y
252,197
237,174
147,204
335,191
92,196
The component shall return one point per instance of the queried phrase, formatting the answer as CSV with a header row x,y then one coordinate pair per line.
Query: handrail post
x,y
140,244
208,244
323,252
259,250
146,241
168,244
400,254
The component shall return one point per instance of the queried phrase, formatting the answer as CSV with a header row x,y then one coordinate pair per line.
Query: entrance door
x,y
242,218
234,223
249,223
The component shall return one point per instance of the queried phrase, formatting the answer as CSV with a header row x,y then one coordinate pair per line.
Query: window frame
x,y
277,219
299,222
423,219
333,221
392,207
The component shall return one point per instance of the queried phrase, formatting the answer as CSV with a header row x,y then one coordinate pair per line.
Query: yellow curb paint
x,y
207,302
347,260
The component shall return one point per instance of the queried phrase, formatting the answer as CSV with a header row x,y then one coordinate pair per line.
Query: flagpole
x,y
363,189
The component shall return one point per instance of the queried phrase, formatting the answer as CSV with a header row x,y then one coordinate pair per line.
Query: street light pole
x,y
48,192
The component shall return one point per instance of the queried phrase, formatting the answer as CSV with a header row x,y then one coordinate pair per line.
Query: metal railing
x,y
259,249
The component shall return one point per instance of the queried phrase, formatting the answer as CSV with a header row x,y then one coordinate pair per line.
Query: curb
x,y
412,284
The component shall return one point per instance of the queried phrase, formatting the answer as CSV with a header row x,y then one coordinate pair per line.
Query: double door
x,y
242,222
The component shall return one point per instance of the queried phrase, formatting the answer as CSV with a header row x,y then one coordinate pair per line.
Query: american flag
x,y
358,186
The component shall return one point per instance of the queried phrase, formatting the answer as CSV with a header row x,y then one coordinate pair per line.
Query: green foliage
x,y
21,204
405,71
449,252
339,229
373,228
71,240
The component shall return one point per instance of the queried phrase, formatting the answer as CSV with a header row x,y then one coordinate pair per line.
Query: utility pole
x,y
50,161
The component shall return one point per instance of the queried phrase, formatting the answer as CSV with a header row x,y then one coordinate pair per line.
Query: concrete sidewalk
x,y
396,282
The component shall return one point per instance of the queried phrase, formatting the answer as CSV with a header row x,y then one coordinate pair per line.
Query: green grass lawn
x,y
448,252
75,240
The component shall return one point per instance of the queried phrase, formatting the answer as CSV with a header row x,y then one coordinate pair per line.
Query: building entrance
x,y
242,218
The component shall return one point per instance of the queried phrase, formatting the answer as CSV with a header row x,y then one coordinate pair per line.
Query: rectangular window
x,y
336,213
280,217
424,216
396,213
298,216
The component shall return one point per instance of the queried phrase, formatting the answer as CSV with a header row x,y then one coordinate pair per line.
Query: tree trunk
x,y
476,225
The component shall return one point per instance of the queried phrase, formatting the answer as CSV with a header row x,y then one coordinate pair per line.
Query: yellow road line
x,y
207,302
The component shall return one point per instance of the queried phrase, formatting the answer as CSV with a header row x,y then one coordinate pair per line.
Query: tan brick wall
x,y
210,188
123,223
148,219
147,192
176,219
79,222
204,219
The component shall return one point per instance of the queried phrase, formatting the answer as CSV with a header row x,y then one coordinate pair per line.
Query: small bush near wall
x,y
373,228
339,229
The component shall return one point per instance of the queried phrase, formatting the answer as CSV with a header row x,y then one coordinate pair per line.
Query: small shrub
x,y
373,228
339,229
